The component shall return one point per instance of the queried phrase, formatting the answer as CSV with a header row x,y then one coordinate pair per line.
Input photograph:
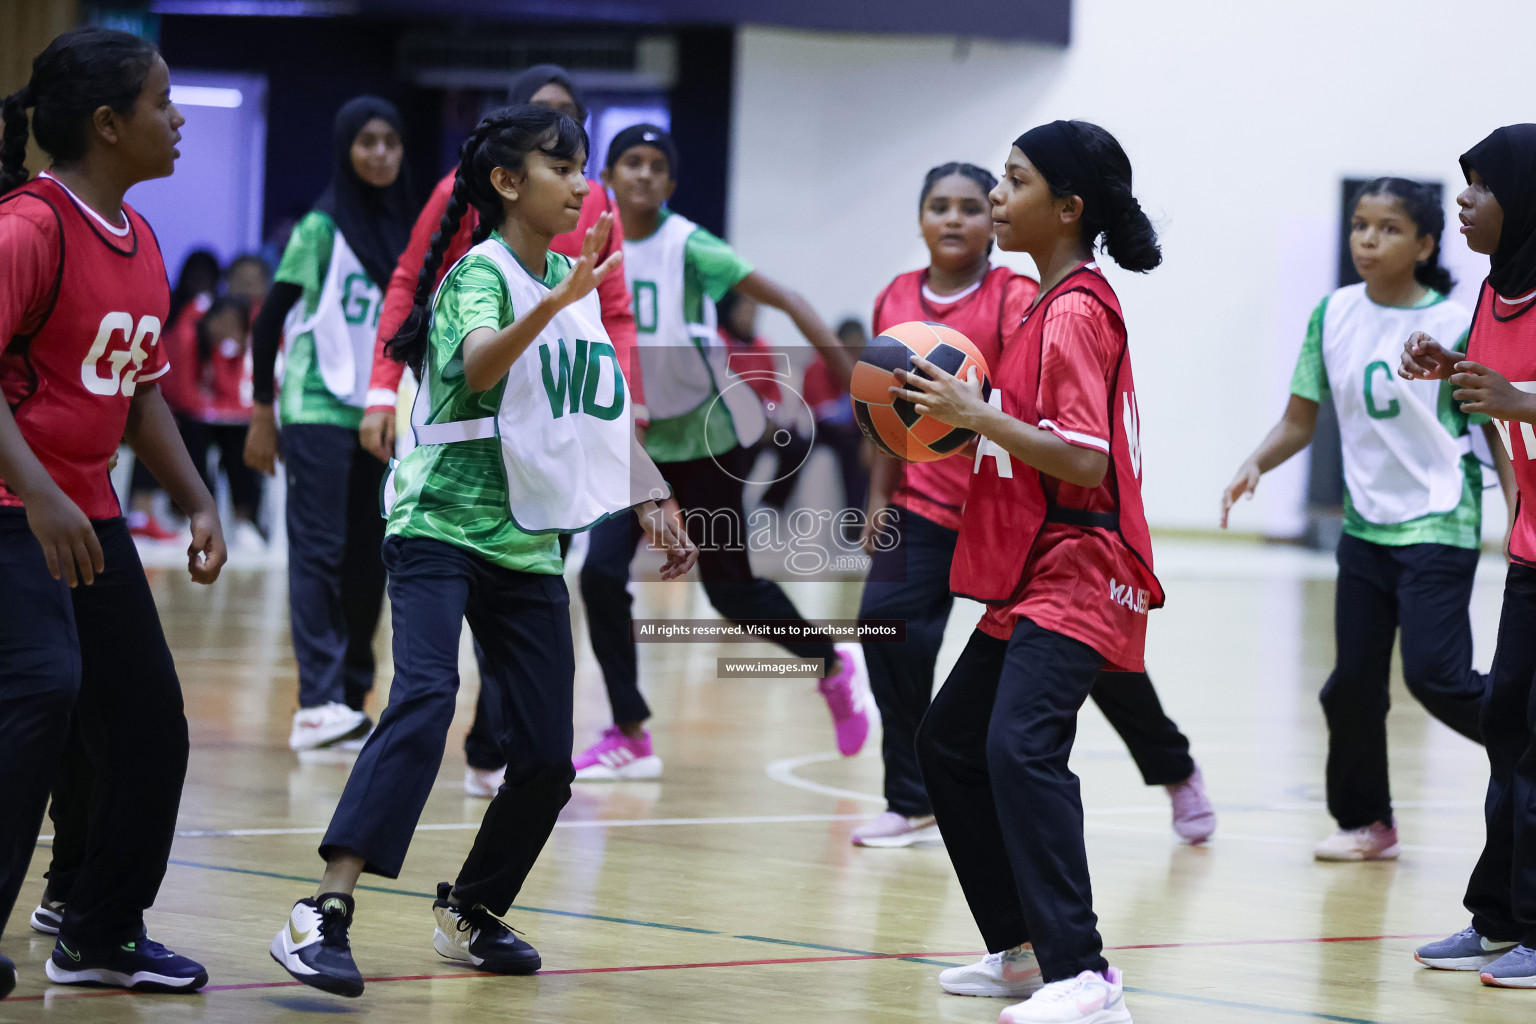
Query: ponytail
x,y
503,138
79,72
1421,203
13,144
1078,158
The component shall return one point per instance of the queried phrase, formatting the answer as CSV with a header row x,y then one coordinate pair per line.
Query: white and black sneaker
x,y
313,945
48,916
475,936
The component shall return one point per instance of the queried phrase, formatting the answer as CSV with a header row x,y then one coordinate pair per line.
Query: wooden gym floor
x,y
729,891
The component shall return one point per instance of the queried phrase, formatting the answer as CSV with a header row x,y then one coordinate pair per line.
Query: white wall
x,y
1240,119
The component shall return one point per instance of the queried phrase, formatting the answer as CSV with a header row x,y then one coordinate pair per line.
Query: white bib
x,y
566,421
343,325
684,364
1400,461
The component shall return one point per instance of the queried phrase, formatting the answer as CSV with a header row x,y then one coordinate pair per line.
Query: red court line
x,y
97,993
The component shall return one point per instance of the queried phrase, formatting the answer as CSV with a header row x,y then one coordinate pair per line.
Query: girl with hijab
x,y
548,86
1496,377
325,300
1053,521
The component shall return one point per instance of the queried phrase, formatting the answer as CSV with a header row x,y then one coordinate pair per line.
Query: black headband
x,y
1059,156
644,135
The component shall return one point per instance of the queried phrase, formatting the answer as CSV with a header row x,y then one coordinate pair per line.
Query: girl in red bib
x,y
920,504
82,304
1054,540
1496,377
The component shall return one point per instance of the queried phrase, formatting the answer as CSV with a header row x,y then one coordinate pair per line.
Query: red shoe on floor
x,y
144,524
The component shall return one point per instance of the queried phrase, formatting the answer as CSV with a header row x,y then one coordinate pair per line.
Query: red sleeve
x,y
29,267
875,323
618,307
400,296
1078,348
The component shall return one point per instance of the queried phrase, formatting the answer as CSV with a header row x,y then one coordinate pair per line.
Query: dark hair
x,y
222,304
1129,238
1422,205
249,259
199,276
80,72
980,176
503,138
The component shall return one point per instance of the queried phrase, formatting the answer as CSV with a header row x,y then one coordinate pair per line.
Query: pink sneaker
x,y
1194,819
849,700
892,829
1376,841
616,758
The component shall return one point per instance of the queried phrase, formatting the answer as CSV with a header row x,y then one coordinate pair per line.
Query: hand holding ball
x,y
891,423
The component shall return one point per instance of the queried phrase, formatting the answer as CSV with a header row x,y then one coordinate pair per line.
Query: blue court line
x,y
1204,1000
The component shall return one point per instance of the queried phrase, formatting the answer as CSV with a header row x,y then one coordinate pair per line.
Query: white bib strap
x,y
455,431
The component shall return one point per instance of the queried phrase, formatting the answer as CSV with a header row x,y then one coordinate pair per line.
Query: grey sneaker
x,y
1515,969
1464,951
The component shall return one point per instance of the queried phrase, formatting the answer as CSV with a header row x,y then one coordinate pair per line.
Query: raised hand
x,y
586,273
1424,358
1243,484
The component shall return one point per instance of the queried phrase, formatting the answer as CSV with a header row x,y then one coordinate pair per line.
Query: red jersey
x,y
986,315
181,385
226,382
1074,560
81,307
613,294
1503,338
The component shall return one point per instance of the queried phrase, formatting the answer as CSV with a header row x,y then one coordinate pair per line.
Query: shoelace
x,y
333,926
479,917
1056,991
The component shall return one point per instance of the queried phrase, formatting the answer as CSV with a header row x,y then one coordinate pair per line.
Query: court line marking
x,y
905,957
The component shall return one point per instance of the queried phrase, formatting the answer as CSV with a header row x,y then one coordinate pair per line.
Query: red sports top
x,y
81,309
181,384
1503,338
936,490
1074,560
612,294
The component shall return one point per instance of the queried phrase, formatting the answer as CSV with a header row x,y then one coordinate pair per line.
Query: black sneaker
x,y
7,976
48,916
313,945
475,936
141,964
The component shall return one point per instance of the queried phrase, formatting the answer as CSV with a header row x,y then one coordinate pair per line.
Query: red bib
x,y
1008,505
69,384
1503,339
937,490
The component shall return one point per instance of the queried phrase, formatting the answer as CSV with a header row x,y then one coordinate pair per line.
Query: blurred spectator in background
x,y
195,289
828,398
221,416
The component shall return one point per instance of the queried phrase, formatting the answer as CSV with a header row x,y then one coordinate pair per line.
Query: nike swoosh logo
x,y
293,933
70,953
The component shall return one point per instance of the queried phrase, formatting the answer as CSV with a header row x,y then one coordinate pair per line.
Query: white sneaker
x,y
1373,842
1089,998
324,725
484,784
895,830
1011,974
247,540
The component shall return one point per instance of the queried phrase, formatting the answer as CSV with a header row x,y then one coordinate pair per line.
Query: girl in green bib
x,y
524,429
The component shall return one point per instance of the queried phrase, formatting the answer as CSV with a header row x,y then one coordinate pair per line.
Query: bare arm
x,y
151,433
1293,433
1506,473
68,539
807,322
489,354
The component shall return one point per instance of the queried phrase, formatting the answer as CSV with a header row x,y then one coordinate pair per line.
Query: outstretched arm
x,y
1289,436
771,293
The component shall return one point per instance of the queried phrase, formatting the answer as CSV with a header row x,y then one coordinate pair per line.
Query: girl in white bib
x,y
1412,503
524,429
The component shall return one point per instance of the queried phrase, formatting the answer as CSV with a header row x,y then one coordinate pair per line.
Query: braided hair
x,y
1422,205
503,138
79,72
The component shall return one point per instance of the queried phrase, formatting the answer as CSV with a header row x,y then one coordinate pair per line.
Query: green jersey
x,y
1361,332
457,493
305,397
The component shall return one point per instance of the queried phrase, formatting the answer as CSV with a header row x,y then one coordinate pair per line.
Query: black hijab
x,y
537,77
1506,160
376,222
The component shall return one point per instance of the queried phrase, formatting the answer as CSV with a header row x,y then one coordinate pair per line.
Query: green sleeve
x,y
713,264
472,296
1310,379
308,255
